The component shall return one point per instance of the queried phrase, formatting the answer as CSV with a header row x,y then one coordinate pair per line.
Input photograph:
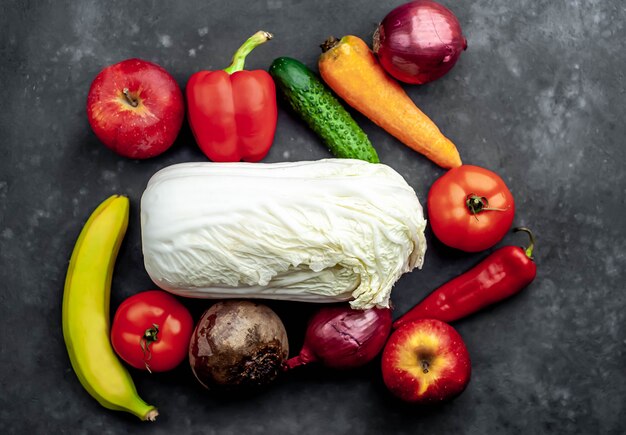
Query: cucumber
x,y
318,107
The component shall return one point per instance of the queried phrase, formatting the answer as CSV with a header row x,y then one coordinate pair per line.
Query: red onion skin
x,y
342,338
419,42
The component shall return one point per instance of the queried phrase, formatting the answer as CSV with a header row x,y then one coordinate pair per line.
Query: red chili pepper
x,y
232,112
502,274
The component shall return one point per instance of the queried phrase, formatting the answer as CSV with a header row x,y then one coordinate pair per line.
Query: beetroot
x,y
238,345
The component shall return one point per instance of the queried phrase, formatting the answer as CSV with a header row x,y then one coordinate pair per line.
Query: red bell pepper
x,y
232,113
502,274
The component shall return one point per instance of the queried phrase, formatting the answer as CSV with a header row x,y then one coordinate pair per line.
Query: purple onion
x,y
342,338
419,41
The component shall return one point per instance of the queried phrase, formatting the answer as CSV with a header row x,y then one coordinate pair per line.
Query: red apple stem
x,y
425,366
133,102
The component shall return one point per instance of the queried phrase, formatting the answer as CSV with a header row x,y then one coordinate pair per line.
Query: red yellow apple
x,y
135,108
426,362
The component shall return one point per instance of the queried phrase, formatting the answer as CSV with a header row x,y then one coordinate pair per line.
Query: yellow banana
x,y
86,311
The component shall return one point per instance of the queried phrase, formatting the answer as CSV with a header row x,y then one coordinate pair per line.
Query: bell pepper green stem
x,y
531,246
239,58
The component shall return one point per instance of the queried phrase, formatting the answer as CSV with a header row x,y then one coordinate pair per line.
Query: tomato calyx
x,y
476,204
149,337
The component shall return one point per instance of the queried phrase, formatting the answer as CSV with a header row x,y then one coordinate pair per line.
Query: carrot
x,y
351,70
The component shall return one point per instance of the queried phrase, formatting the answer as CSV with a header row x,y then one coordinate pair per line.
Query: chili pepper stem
x,y
239,58
531,246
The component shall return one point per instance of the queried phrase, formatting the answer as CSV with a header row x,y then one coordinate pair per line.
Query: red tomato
x,y
151,331
470,208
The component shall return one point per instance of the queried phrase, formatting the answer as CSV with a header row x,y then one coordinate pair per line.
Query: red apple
x,y
426,361
135,108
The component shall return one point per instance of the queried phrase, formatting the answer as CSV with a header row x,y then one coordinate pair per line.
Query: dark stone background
x,y
538,97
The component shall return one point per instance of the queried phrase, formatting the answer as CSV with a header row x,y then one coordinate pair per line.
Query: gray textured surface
x,y
538,97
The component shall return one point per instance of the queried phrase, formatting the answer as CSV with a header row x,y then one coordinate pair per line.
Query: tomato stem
x,y
239,58
528,250
476,204
149,337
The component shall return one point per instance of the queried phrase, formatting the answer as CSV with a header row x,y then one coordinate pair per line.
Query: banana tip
x,y
151,415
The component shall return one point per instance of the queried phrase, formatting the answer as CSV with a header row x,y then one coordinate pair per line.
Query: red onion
x,y
342,338
419,41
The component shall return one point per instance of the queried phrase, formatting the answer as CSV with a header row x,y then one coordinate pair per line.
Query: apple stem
x,y
133,102
425,366
239,58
